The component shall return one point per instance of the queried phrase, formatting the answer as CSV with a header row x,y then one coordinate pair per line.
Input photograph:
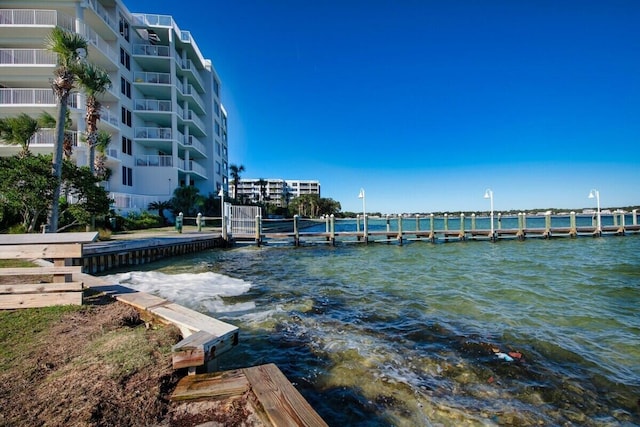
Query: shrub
x,y
140,221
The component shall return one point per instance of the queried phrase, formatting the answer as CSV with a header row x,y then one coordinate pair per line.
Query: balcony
x,y
48,137
20,65
159,138
31,23
154,161
151,50
151,20
190,94
152,110
108,18
152,105
192,166
152,56
152,78
107,117
196,125
187,67
153,133
103,54
193,142
156,85
28,57
37,98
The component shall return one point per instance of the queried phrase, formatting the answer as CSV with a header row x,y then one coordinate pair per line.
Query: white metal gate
x,y
243,220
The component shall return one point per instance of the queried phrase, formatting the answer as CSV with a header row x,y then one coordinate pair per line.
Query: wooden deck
x,y
275,401
431,236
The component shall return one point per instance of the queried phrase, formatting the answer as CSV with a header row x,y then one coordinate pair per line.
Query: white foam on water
x,y
202,290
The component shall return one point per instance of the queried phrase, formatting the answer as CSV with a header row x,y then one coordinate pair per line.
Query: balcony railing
x,y
189,90
40,97
36,17
151,20
151,50
99,9
190,115
107,116
27,57
93,38
48,137
187,65
192,166
192,141
152,105
153,133
155,78
154,161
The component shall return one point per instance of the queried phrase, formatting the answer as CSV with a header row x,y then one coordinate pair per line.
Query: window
x,y
217,148
216,107
125,116
217,128
125,59
125,87
216,87
127,176
126,145
218,168
124,28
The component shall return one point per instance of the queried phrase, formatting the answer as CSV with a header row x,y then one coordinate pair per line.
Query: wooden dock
x,y
400,235
265,389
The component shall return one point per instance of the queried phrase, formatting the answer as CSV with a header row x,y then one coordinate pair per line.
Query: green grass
x,y
11,263
20,329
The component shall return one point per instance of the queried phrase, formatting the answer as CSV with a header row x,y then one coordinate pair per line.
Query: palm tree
x,y
19,131
103,139
235,175
160,207
70,48
46,120
263,190
95,81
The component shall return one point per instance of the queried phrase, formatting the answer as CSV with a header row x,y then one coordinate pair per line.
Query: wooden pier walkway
x,y
400,235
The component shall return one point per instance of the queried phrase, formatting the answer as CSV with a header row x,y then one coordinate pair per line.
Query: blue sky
x,y
425,104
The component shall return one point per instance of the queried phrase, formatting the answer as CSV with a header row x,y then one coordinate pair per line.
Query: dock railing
x,y
403,228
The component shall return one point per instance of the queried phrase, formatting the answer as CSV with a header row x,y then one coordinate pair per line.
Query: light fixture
x,y
596,194
488,194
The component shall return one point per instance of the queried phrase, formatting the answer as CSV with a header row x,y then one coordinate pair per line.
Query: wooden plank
x,y
197,349
29,271
47,238
141,300
64,250
14,301
283,404
40,288
186,318
219,385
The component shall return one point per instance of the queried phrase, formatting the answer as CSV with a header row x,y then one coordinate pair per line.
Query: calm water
x,y
541,332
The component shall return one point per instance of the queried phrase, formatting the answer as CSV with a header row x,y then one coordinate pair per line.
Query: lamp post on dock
x,y
223,232
364,212
488,194
596,194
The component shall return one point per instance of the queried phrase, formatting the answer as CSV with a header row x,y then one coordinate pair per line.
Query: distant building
x,y
278,192
164,113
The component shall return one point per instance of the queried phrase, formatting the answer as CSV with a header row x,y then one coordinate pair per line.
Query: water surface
x,y
540,332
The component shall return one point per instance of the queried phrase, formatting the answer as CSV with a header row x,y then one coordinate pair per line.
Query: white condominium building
x,y
164,114
278,192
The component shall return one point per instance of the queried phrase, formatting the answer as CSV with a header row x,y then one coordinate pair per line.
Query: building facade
x,y
164,113
278,192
